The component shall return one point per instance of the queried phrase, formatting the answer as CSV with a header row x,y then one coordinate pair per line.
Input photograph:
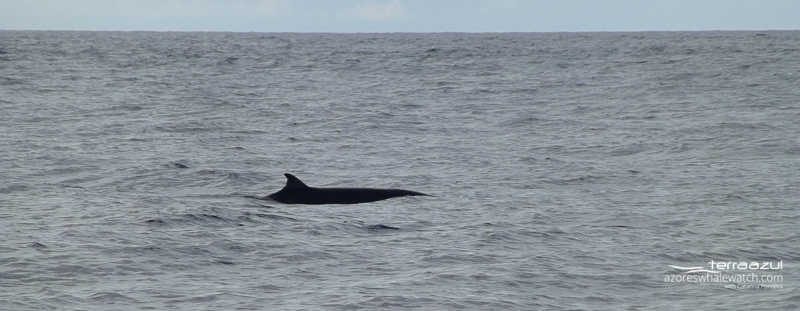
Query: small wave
x,y
744,126
223,173
227,262
628,150
192,218
575,180
523,121
10,81
690,270
380,227
14,188
37,245
204,217
156,221
111,297
248,216
620,227
229,60
794,150
217,220
178,164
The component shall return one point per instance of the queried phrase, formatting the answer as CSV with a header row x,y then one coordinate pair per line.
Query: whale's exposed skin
x,y
296,192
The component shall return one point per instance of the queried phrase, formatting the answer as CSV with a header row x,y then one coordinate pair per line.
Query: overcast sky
x,y
400,15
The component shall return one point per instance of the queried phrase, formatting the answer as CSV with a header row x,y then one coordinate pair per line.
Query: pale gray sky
x,y
400,15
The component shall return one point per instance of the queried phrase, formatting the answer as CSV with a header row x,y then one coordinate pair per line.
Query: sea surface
x,y
568,171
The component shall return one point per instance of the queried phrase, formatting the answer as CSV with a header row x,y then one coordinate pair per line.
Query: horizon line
x,y
410,32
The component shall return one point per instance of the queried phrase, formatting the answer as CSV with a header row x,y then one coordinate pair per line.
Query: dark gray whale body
x,y
296,192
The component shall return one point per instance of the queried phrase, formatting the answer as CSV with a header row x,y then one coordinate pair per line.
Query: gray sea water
x,y
568,170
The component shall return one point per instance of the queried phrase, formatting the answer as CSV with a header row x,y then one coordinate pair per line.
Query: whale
x,y
297,192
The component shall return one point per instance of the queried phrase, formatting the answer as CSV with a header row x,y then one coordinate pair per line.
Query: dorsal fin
x,y
293,182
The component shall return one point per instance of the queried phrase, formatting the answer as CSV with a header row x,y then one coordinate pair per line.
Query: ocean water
x,y
568,170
